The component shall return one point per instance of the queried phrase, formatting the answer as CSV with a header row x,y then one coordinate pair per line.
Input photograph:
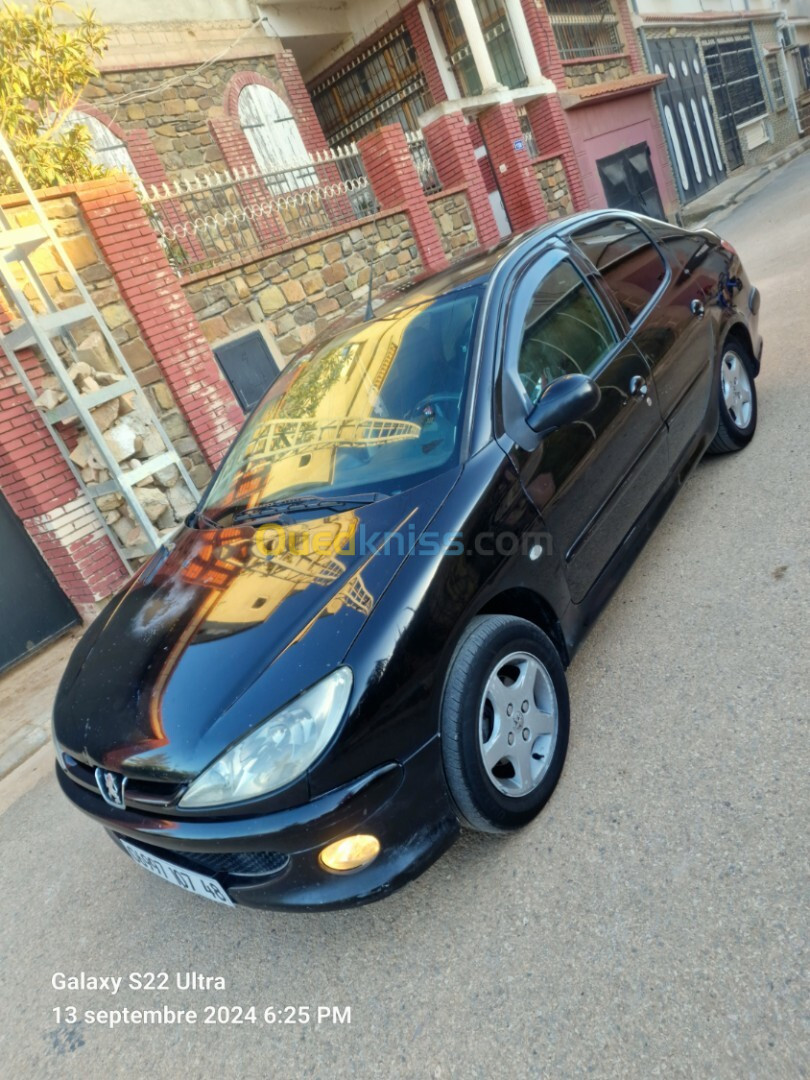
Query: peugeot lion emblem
x,y
111,786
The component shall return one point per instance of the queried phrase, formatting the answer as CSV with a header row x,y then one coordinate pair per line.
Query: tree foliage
x,y
44,67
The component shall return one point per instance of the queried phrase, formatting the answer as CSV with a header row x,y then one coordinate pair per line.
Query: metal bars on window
x,y
734,78
584,28
384,85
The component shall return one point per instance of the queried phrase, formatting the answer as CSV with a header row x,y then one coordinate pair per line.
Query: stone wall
x,y
451,212
298,292
551,176
175,116
596,71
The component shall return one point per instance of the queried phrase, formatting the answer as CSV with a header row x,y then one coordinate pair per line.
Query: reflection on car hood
x,y
152,692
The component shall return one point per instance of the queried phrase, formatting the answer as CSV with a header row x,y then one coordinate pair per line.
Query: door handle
x,y
697,309
638,387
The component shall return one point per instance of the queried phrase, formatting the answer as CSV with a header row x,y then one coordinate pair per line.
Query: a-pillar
x,y
510,160
449,142
396,185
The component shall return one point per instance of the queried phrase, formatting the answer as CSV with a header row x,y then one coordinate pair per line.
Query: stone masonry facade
x,y
297,293
451,212
553,182
595,71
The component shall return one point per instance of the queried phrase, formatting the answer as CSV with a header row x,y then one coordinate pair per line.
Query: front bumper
x,y
406,806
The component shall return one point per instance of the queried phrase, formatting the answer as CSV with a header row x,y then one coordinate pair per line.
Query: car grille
x,y
240,863
234,863
148,793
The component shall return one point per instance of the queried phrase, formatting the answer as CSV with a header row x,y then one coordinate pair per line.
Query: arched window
x,y
107,148
274,139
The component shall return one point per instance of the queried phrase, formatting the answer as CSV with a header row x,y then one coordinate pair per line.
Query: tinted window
x,y
565,331
629,262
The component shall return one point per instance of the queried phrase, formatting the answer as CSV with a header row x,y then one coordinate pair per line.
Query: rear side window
x,y
565,331
630,264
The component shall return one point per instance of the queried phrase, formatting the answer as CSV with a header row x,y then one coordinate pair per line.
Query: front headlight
x,y
279,750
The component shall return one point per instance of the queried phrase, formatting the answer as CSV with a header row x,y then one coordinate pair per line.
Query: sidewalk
x,y
26,699
736,188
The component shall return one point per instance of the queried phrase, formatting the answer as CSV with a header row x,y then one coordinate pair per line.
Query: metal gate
x,y
33,609
688,116
629,181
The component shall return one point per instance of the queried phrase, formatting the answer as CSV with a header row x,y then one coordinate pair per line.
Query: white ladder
x,y
40,330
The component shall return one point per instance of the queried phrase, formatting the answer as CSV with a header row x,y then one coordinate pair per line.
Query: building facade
x,y
734,83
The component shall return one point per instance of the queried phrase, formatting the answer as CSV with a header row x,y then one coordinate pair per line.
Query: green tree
x,y
44,66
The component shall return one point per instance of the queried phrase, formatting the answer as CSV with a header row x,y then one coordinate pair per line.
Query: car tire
x,y
505,679
738,400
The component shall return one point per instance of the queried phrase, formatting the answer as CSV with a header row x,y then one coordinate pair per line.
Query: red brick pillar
x,y
396,185
449,142
546,115
43,493
169,328
631,42
338,207
519,186
235,149
424,53
151,173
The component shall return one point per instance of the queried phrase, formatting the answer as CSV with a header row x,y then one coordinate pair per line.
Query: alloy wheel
x,y
735,384
518,722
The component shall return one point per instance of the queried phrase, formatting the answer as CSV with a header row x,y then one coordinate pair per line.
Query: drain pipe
x,y
781,24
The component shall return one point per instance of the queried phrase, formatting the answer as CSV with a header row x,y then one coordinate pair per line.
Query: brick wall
x,y
166,324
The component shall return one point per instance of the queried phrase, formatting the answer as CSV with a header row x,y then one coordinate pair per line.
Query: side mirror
x,y
569,398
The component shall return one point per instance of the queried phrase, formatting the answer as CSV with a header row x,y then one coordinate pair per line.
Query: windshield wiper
x,y
301,503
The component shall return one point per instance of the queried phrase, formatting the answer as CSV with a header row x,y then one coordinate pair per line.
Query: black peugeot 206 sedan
x,y
358,642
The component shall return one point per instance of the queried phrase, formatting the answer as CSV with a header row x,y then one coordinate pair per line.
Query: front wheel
x,y
504,723
738,401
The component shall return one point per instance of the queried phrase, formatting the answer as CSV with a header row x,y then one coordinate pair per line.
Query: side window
x,y
629,262
565,332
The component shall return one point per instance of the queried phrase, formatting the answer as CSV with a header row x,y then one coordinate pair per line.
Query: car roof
x,y
478,267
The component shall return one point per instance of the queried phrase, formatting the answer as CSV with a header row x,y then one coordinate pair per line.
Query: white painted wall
x,y
117,12
689,7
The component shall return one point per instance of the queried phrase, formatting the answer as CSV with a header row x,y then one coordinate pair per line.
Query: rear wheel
x,y
504,724
738,400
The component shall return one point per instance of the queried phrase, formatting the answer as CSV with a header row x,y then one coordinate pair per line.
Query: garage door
x,y
688,116
33,609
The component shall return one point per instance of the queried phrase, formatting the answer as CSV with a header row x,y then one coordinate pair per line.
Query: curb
x,y
757,174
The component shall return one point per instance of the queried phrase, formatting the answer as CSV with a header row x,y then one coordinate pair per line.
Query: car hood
x,y
225,627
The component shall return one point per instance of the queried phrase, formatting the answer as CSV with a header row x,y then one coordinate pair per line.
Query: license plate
x,y
192,882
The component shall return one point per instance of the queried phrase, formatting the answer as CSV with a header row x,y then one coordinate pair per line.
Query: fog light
x,y
351,853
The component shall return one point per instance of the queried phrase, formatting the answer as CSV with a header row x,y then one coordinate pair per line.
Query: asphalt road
x,y
653,921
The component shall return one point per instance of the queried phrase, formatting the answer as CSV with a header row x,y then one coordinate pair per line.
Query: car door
x,y
591,479
667,304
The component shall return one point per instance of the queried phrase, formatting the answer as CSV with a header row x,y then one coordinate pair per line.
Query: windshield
x,y
376,409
